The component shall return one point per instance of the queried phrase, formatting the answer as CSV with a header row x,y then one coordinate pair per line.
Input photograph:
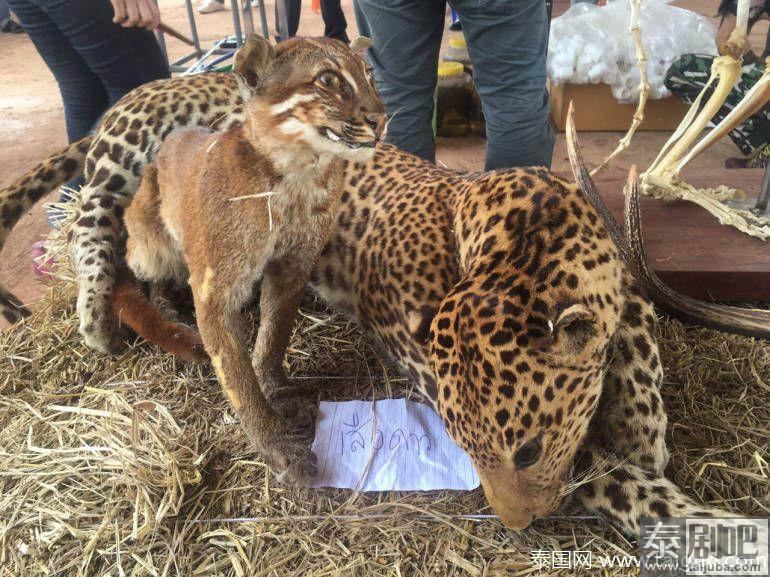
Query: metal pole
x,y
193,27
764,193
248,16
162,43
236,10
263,19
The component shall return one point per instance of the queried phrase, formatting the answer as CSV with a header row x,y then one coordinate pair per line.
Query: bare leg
x,y
283,284
222,329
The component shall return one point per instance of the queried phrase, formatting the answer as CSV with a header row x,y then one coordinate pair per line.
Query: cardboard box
x,y
597,110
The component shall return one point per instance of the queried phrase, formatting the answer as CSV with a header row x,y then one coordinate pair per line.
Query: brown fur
x,y
134,309
195,218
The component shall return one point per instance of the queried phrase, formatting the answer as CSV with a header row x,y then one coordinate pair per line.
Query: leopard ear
x,y
360,44
572,328
253,58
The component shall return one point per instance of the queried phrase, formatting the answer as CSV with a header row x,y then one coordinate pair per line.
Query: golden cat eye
x,y
329,80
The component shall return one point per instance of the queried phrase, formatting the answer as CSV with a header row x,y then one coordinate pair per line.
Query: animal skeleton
x,y
644,86
662,179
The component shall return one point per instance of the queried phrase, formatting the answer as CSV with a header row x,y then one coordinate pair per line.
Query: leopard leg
x,y
624,493
631,416
96,236
219,293
283,284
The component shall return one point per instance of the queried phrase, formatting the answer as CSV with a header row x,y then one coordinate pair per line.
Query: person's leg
x,y
334,20
83,95
293,12
507,42
407,39
121,58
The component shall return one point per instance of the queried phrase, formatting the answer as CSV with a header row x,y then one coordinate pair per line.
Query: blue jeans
x,y
94,61
507,42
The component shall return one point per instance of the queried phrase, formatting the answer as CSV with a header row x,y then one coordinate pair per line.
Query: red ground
x,y
33,124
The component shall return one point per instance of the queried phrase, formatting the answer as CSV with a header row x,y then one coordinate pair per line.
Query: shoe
x,y
41,265
209,6
455,26
255,3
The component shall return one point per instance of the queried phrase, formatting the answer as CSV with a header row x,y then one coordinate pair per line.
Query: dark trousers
x,y
507,42
334,18
94,61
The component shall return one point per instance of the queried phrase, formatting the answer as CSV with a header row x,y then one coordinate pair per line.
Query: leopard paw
x,y
297,410
98,327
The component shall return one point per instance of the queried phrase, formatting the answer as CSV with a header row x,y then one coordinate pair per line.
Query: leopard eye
x,y
329,80
529,453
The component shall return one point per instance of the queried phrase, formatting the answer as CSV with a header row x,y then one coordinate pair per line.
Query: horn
x,y
737,320
588,186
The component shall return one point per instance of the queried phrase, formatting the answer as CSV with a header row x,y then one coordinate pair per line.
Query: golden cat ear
x,y
360,44
253,58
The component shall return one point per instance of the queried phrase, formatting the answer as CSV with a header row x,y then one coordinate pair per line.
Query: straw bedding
x,y
135,465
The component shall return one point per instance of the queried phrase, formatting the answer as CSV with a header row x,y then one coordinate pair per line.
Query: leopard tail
x,y
22,194
134,309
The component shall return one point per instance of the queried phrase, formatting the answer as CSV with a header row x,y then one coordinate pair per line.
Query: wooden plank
x,y
691,251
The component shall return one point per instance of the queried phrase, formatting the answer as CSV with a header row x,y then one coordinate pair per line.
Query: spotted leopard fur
x,y
413,238
458,277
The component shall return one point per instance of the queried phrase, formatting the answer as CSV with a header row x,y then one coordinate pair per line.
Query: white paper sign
x,y
406,442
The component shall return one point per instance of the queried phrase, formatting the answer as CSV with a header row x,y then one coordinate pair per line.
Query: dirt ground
x,y
33,124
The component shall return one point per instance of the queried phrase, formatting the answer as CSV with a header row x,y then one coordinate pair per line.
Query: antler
x,y
742,321
587,184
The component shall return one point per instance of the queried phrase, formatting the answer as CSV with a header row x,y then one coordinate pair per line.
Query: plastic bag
x,y
592,44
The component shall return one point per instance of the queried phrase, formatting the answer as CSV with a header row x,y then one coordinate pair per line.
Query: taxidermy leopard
x,y
201,218
500,294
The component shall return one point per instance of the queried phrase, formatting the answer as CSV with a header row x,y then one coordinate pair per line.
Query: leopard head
x,y
520,344
315,93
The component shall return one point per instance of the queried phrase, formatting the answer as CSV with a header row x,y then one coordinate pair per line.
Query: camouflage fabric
x,y
689,74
